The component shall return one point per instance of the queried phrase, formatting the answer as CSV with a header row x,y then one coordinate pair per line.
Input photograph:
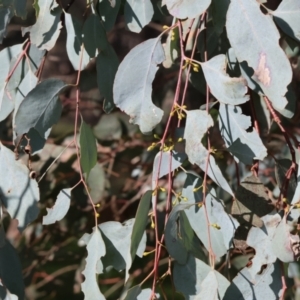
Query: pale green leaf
x,y
60,208
186,9
133,84
88,148
74,42
138,14
46,30
226,89
245,145
19,193
266,285
287,17
96,250
96,183
107,63
246,28
188,278
43,106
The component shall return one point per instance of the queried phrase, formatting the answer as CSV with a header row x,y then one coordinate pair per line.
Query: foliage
x,y
209,149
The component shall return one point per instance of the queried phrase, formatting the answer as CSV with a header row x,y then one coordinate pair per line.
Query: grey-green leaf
x,y
74,42
287,17
19,193
108,12
246,28
226,89
96,183
245,145
46,30
186,9
188,278
88,148
107,63
140,222
96,249
133,84
60,208
43,106
94,35
138,14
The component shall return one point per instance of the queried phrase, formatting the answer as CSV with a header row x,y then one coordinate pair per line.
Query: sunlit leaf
x,y
186,9
246,28
138,14
43,107
19,193
260,239
252,202
94,35
287,17
107,63
88,148
244,145
133,84
266,285
117,239
60,208
44,33
96,250
74,42
197,123
188,278
226,89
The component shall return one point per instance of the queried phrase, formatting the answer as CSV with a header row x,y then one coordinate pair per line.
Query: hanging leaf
x,y
94,35
246,28
287,17
186,9
96,183
266,285
74,42
44,33
118,238
226,89
19,193
136,293
88,148
221,235
60,208
188,278
260,239
197,123
108,12
107,63
252,202
11,271
96,250
133,84
43,107
138,14
140,223
192,189
244,145
219,10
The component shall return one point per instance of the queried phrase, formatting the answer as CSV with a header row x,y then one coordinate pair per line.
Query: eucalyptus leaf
x,y
133,84
138,14
44,33
60,208
108,12
88,148
246,28
19,193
